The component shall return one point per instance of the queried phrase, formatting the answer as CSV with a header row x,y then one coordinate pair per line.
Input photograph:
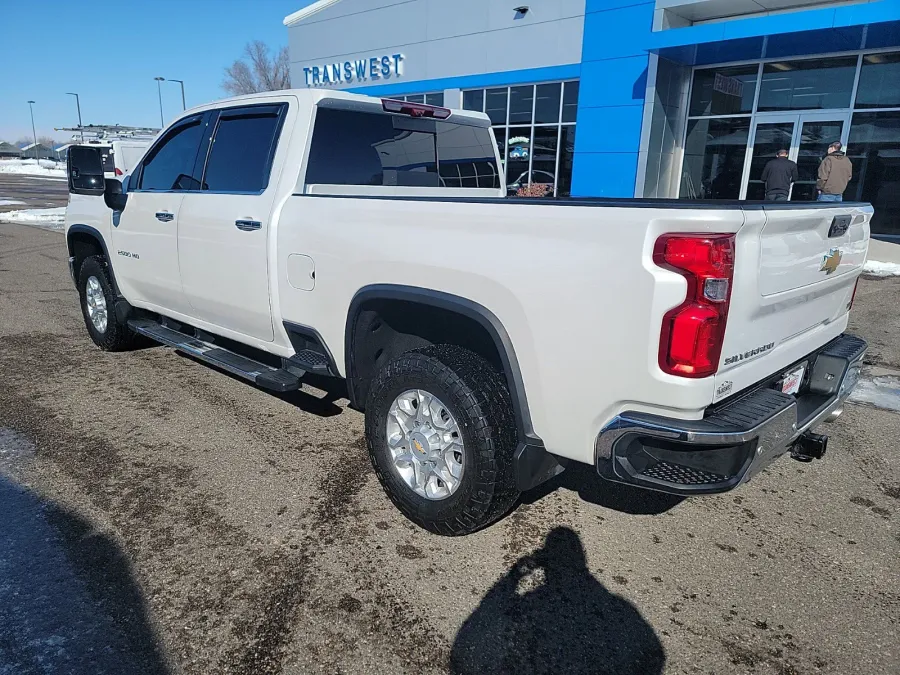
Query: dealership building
x,y
620,98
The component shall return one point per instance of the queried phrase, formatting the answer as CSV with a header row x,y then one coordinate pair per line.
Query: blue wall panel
x,y
609,129
604,174
611,98
624,82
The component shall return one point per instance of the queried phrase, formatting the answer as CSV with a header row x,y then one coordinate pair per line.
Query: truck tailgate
x,y
795,272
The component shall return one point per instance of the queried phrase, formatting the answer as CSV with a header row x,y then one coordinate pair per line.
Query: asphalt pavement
x,y
33,192
159,516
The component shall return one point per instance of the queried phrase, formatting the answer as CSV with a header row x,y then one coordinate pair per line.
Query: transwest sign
x,y
360,70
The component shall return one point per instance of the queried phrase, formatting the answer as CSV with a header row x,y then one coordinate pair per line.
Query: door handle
x,y
247,225
164,216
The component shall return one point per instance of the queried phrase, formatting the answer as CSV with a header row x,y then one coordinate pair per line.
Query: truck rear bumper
x,y
737,438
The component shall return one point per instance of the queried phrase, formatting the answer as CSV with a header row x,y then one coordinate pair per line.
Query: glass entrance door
x,y
805,136
768,139
813,140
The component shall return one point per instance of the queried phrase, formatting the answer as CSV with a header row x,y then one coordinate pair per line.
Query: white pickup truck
x,y
673,345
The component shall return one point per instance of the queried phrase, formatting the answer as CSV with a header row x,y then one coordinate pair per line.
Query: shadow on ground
x,y
592,488
548,614
69,602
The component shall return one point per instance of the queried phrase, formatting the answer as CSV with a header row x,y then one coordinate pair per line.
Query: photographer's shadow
x,y
567,622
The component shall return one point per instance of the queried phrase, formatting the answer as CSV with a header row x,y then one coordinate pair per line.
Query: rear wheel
x,y
441,436
98,307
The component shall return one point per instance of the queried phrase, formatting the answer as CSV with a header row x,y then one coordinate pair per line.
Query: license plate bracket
x,y
792,379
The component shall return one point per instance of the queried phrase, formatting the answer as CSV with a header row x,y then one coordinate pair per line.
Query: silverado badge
x,y
831,261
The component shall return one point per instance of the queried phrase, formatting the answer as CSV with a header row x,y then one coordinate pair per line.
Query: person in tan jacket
x,y
835,172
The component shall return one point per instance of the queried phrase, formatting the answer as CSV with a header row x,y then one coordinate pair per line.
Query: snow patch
x,y
32,167
881,269
53,219
10,202
882,391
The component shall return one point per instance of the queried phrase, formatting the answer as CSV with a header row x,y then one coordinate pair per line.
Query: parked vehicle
x,y
673,345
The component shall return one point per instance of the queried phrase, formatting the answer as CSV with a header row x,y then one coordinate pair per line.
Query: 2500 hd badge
x,y
749,354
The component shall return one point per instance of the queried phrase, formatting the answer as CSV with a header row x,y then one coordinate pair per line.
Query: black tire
x,y
117,337
476,394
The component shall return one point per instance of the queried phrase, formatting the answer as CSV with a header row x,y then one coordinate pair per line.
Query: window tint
x,y
241,156
466,156
435,99
359,148
170,164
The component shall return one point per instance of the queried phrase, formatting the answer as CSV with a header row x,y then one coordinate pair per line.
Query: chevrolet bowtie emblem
x,y
831,261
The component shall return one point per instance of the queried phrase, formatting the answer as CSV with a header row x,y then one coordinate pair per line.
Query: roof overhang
x,y
308,11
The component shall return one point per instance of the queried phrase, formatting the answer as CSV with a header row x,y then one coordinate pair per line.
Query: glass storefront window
x,y
520,102
874,150
546,103
473,100
543,162
814,84
714,158
431,99
724,91
566,156
879,81
570,101
518,154
537,144
495,105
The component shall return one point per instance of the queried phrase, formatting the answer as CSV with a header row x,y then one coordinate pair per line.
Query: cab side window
x,y
243,147
170,165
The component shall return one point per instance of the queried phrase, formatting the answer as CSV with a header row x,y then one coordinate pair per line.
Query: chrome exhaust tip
x,y
834,414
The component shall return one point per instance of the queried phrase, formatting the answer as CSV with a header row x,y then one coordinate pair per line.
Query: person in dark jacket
x,y
778,175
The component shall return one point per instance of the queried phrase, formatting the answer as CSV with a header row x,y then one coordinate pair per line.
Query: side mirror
x,y
114,196
85,170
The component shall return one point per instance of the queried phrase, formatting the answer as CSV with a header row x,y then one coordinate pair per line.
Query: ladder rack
x,y
108,132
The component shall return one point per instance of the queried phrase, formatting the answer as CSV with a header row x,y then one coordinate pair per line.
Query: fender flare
x,y
94,233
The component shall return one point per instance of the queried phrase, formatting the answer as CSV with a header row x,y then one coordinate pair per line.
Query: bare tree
x,y
47,142
258,71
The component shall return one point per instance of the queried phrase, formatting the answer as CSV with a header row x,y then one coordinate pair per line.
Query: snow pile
x,y
53,219
881,269
31,167
10,202
882,391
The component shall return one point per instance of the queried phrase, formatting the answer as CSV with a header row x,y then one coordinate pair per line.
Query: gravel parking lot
x,y
162,517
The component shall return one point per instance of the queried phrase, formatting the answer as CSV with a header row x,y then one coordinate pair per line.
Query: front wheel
x,y
98,307
441,436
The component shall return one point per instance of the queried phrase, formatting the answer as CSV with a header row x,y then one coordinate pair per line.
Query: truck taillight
x,y
690,342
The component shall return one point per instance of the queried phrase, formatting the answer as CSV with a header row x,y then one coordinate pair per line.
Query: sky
x,y
109,53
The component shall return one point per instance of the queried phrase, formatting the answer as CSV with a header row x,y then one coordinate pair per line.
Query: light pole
x,y
33,132
78,103
181,82
162,122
